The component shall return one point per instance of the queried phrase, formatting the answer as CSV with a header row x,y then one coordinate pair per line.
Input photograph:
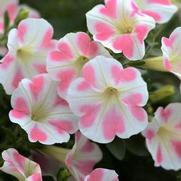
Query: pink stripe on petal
x,y
59,56
149,133
40,68
7,60
104,31
47,38
87,147
177,148
37,134
153,14
65,77
116,72
134,99
165,114
17,78
167,64
36,177
88,48
110,9
12,11
20,160
36,86
65,50
142,31
113,123
83,85
22,30
21,105
159,156
98,173
128,74
138,113
125,44
17,114
85,167
60,102
90,114
89,74
61,125
69,160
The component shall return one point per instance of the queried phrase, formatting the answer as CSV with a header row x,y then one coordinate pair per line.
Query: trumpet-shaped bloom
x,y
28,47
20,167
39,110
101,174
172,52
163,137
109,100
121,27
67,59
160,10
82,158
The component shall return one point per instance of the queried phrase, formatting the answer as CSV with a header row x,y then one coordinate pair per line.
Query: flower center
x,y
125,26
166,132
111,92
24,53
79,63
39,115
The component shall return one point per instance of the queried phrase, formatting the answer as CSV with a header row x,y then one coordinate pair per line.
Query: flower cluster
x,y
75,85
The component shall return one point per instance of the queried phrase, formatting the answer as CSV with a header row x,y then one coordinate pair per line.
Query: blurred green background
x,y
69,16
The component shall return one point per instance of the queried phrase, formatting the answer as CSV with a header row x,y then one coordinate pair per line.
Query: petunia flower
x,y
161,10
163,137
20,167
172,52
101,174
65,62
109,100
119,25
80,160
39,110
28,47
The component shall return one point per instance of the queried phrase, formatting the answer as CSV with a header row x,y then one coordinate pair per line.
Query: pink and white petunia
x,y
101,174
83,157
39,110
120,26
172,52
161,10
109,100
65,62
20,167
163,137
28,46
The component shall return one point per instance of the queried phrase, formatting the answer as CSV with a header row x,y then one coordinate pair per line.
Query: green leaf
x,y
117,148
136,145
6,22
